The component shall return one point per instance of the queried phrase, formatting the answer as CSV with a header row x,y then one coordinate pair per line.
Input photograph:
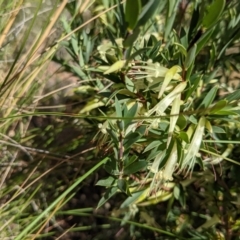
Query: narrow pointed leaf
x,y
156,163
170,166
107,182
131,200
191,55
135,167
130,85
152,145
147,12
170,17
214,11
233,96
168,77
131,38
123,186
189,158
116,66
173,120
118,108
166,101
109,193
204,39
132,11
218,106
209,98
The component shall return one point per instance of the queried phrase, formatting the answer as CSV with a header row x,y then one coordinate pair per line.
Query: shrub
x,y
155,83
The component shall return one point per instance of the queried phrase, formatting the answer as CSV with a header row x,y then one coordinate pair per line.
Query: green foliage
x,y
155,84
132,11
213,13
164,103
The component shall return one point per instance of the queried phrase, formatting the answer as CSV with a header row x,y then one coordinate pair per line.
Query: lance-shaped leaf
x,y
203,40
157,161
208,126
170,166
143,194
107,182
135,167
155,169
132,11
209,98
216,159
116,66
166,101
174,117
181,48
170,17
191,55
214,11
128,42
108,194
218,106
168,77
118,107
93,104
160,196
154,70
147,12
133,198
213,221
189,158
233,96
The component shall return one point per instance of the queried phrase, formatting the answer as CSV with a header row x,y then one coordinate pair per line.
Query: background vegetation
x,y
119,120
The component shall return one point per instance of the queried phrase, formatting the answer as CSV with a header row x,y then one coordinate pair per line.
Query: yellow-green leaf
x,y
92,105
116,66
166,101
170,166
189,158
174,117
168,77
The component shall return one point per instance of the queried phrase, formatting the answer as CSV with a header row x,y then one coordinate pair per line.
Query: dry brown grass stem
x,y
10,22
